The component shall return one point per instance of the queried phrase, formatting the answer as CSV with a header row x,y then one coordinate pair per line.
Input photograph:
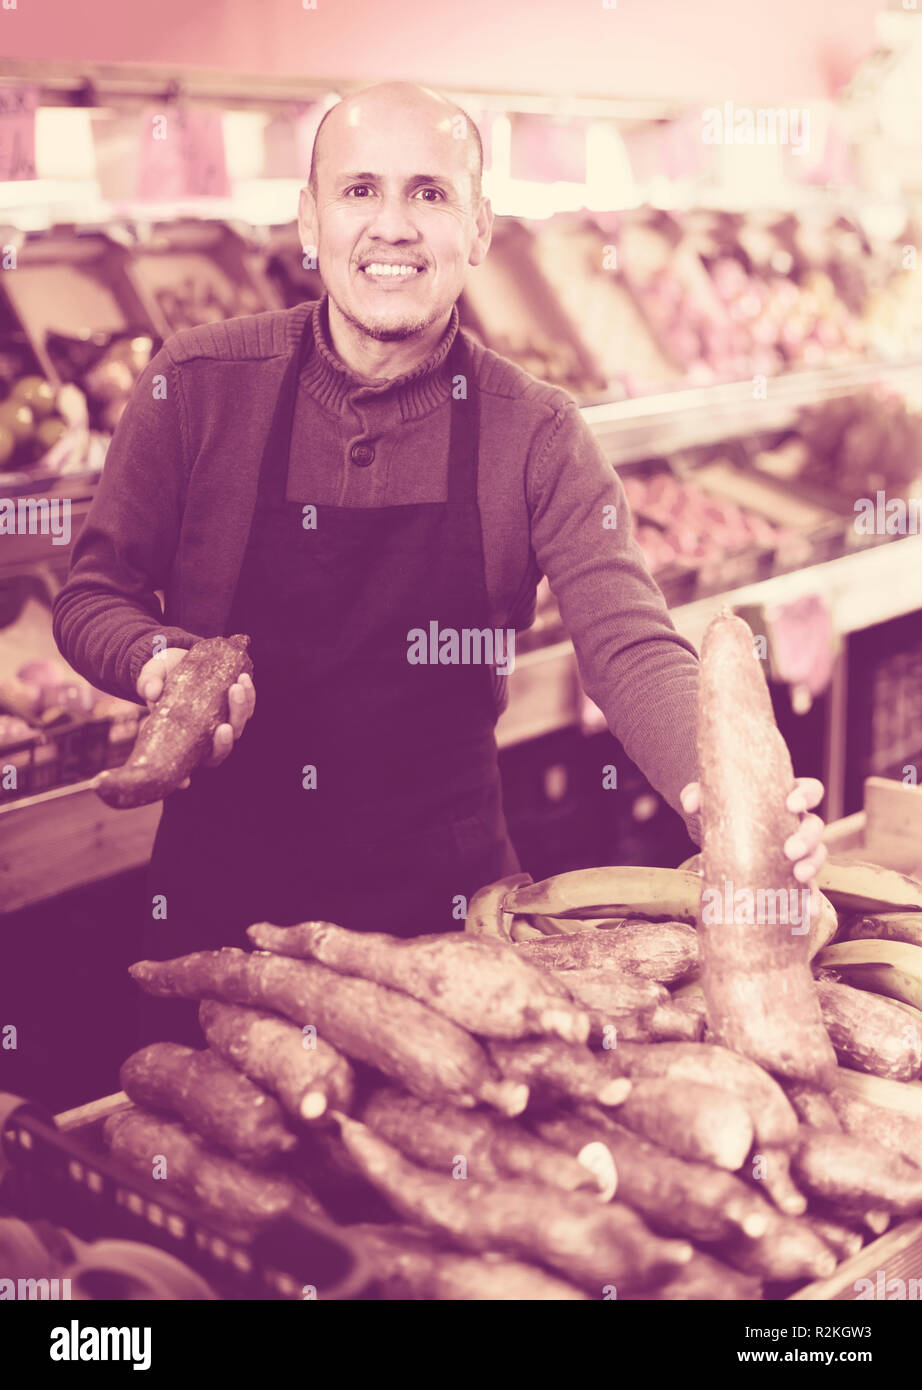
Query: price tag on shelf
x,y
203,153
115,147
17,133
182,155
548,150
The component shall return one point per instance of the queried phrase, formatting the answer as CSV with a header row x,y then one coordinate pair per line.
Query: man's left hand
x,y
805,847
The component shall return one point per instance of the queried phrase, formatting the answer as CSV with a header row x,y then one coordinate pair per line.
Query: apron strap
x,y
273,469
464,436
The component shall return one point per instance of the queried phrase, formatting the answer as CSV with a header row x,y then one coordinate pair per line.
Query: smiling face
x,y
396,216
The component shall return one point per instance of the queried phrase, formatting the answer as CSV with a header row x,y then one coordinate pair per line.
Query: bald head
x,y
394,209
381,103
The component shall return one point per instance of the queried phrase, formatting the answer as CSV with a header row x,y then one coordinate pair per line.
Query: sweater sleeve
x,y
632,662
107,614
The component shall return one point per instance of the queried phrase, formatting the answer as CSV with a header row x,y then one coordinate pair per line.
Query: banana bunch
x,y
856,887
516,909
619,892
868,933
891,968
879,942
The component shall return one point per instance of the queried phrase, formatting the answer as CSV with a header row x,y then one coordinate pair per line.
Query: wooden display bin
x,y
887,831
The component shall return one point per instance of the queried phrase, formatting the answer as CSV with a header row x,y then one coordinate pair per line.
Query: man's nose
x,y
393,221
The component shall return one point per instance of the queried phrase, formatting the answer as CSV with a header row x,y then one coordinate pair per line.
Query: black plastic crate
x,y
69,753
68,1178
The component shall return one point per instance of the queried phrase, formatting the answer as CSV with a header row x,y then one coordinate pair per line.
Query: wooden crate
x,y
897,1254
887,831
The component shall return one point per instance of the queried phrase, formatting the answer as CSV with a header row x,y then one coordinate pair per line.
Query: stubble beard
x,y
390,333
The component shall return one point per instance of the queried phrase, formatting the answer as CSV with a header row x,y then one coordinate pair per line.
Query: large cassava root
x,y
754,917
407,1041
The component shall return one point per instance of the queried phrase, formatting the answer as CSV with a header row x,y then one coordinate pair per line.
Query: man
x,y
345,482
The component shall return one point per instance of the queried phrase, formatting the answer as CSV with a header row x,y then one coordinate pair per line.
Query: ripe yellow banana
x,y
909,1009
855,887
824,927
887,926
893,968
486,908
668,895
905,1096
569,926
522,930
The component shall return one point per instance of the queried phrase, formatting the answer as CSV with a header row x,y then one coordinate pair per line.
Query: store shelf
x,y
862,589
65,838
626,431
649,426
22,552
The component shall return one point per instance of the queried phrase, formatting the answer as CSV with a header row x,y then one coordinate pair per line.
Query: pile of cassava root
x,y
454,1077
602,1088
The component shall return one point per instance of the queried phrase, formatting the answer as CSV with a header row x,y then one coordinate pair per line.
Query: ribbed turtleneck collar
x,y
331,383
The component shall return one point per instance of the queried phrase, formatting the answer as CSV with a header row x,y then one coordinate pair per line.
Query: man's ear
x,y
307,219
483,234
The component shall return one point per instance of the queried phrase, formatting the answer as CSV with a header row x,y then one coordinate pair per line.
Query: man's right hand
x,y
241,701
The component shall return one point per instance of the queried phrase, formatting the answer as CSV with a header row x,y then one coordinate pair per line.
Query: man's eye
x,y
436,192
358,189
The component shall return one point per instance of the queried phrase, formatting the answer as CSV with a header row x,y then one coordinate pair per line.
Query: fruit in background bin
x,y
700,374
766,361
35,392
112,413
19,697
635,490
747,307
61,689
48,432
682,343
14,730
111,379
813,354
729,277
18,419
794,330
657,551
7,445
829,334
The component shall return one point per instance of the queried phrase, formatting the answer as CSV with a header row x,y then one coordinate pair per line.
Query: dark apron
x,y
406,816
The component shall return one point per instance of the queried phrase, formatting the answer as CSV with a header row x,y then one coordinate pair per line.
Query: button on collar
x,y
362,454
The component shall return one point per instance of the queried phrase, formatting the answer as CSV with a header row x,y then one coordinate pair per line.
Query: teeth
x,y
380,268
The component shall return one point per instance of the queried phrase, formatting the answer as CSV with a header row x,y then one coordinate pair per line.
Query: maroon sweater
x,y
173,507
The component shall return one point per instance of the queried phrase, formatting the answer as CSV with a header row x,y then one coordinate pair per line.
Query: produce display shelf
x,y
896,1255
627,431
862,589
648,426
91,842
